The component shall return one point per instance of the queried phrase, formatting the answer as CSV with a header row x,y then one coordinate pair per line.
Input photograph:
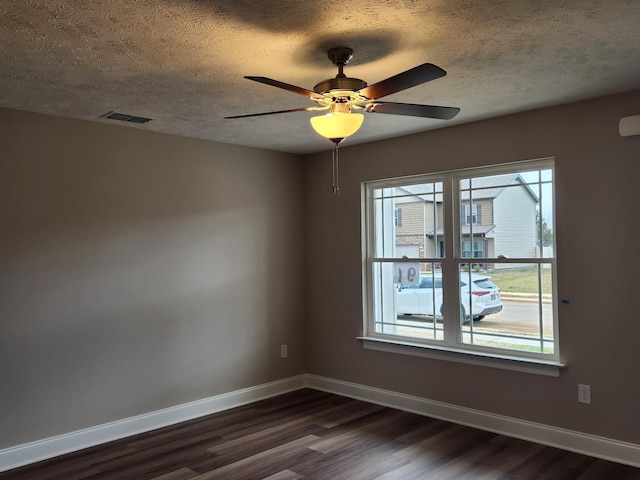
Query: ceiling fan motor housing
x,y
340,83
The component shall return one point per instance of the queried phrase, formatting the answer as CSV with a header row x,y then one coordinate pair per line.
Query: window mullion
x,y
540,312
450,290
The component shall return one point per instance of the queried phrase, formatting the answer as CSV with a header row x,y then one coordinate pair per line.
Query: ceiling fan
x,y
340,95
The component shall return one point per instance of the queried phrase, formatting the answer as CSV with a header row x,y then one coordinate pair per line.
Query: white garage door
x,y
410,251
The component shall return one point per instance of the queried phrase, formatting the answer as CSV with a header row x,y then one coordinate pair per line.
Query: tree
x,y
544,232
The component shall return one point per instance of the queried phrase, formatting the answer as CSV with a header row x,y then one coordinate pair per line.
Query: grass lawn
x,y
521,280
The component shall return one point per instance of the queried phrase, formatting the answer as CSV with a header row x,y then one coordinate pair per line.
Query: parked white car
x,y
482,298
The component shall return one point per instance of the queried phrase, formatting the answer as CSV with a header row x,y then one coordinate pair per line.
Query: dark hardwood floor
x,y
314,435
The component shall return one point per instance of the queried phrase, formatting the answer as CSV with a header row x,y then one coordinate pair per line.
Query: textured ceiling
x,y
181,62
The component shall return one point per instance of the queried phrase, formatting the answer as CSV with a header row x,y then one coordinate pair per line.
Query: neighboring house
x,y
498,217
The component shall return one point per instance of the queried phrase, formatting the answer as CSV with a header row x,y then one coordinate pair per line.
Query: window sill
x,y
505,362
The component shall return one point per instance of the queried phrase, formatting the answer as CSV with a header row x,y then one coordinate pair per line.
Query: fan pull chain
x,y
336,180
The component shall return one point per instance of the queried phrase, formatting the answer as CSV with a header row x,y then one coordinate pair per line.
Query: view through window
x,y
472,263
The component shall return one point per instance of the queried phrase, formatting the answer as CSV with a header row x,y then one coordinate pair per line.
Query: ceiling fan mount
x,y
340,55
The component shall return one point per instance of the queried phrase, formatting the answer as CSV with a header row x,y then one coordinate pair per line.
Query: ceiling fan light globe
x,y
337,125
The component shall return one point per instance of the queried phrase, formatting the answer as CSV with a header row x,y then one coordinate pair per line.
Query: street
x,y
518,318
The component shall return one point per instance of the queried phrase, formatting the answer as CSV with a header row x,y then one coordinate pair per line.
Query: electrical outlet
x,y
584,393
283,351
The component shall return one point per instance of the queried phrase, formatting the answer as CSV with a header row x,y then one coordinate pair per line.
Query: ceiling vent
x,y
124,117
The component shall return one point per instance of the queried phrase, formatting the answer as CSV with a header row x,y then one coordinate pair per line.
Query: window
x,y
468,253
500,305
398,219
470,215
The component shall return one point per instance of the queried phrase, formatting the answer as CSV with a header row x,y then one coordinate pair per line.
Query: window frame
x,y
541,363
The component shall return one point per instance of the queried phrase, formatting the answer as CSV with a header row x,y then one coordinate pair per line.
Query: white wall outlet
x,y
283,351
584,393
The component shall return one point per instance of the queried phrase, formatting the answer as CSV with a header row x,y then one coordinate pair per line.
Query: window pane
x,y
409,309
511,308
409,221
507,215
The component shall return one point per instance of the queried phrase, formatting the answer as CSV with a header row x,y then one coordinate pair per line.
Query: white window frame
x,y
451,350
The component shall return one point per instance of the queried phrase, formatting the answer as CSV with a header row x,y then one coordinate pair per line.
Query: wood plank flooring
x,y
309,434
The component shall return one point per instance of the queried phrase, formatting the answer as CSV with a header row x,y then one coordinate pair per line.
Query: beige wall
x,y
599,327
140,271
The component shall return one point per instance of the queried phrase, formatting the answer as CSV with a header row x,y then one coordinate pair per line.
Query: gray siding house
x,y
497,218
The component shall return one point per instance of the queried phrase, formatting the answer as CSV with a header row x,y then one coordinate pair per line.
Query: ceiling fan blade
x,y
303,109
412,110
286,86
416,76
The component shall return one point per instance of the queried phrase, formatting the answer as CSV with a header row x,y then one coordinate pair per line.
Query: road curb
x,y
525,297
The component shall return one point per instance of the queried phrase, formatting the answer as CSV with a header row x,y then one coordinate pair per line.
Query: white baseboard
x,y
599,447
20,455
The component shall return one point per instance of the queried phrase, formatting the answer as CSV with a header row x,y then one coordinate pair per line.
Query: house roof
x,y
490,187
482,188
